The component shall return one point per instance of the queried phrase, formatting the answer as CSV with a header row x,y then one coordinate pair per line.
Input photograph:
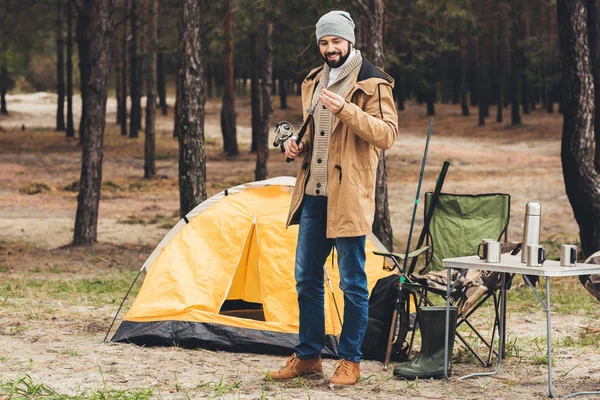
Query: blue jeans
x,y
311,254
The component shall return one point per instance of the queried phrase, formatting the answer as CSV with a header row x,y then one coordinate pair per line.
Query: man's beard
x,y
341,61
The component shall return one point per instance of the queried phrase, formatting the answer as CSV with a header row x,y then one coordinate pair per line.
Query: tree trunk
x,y
382,227
582,178
3,89
123,104
60,68
70,124
526,90
86,218
502,64
161,76
262,148
516,72
401,91
135,116
150,130
177,120
480,78
228,124
593,29
464,63
210,87
254,91
283,94
82,31
430,103
118,66
192,158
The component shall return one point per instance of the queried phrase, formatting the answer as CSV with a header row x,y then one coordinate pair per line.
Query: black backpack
x,y
381,309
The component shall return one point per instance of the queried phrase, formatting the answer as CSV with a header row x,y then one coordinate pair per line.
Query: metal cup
x,y
489,250
536,255
482,251
568,255
493,251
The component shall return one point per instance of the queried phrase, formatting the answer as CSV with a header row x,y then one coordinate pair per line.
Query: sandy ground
x,y
59,343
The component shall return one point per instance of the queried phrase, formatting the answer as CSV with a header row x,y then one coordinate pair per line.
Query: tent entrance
x,y
243,309
244,299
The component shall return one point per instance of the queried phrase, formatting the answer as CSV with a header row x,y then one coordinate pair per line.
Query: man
x,y
333,199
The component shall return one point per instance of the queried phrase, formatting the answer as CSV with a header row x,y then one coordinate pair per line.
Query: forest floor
x,y
57,301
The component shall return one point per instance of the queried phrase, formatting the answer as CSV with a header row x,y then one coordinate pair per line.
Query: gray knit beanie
x,y
336,23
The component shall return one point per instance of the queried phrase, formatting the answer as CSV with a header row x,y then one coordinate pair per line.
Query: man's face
x,y
334,50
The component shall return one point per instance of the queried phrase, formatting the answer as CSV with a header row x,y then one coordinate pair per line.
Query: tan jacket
x,y
367,122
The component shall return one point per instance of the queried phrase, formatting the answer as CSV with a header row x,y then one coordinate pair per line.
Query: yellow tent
x,y
223,277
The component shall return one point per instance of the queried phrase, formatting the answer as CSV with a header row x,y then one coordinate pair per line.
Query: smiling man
x,y
333,200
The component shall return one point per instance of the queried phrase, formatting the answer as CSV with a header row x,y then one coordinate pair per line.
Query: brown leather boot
x,y
295,367
346,373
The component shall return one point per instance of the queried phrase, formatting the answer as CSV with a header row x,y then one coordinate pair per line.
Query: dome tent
x,y
223,278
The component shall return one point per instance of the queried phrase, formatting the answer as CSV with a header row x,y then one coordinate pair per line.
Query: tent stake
x,y
123,302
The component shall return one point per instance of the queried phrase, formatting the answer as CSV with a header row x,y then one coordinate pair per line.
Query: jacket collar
x,y
369,77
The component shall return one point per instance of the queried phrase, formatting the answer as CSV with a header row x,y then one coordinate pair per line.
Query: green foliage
x,y
83,291
25,388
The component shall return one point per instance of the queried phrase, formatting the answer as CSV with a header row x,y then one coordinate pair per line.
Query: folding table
x,y
512,265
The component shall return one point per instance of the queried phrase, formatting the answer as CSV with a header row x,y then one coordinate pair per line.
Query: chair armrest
x,y
402,256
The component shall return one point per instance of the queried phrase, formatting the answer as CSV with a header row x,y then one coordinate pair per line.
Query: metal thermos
x,y
531,228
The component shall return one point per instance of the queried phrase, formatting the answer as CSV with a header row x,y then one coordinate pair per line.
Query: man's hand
x,y
333,102
292,149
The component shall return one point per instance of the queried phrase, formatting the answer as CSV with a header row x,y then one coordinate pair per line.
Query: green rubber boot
x,y
430,362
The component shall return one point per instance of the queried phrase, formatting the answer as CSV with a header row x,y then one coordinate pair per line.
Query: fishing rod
x,y
284,131
388,351
434,199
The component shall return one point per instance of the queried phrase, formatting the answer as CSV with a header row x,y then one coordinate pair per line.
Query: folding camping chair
x,y
457,226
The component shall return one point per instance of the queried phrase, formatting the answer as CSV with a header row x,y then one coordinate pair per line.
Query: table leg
x,y
447,332
549,338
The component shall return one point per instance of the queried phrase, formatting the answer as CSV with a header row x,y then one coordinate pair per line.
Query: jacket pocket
x,y
363,177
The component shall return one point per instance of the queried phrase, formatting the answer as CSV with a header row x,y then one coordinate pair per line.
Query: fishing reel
x,y
283,131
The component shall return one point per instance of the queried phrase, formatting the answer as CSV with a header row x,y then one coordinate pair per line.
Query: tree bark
x,y
161,77
228,123
150,128
70,124
262,148
82,31
254,91
60,68
135,116
86,218
123,103
192,158
582,178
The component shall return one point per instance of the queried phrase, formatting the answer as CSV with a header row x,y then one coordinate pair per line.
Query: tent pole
x,y
332,295
123,302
